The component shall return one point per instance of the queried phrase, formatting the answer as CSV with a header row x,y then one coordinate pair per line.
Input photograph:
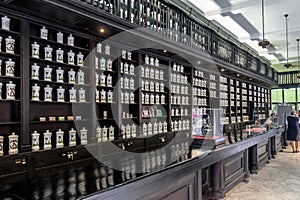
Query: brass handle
x,y
162,139
130,143
69,155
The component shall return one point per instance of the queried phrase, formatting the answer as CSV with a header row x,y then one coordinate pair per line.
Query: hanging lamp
x,y
264,43
287,65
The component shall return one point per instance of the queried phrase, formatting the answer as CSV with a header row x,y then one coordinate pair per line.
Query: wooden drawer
x,y
13,168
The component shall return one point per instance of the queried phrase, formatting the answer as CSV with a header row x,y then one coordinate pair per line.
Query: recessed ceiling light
x,y
250,79
165,50
238,75
102,30
199,62
222,69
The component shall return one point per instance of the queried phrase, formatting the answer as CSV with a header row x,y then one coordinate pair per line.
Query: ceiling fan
x,y
264,43
287,65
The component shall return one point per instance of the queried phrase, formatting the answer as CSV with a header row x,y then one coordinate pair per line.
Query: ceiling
x,y
243,18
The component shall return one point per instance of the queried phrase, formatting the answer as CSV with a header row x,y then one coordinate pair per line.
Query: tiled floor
x,y
278,180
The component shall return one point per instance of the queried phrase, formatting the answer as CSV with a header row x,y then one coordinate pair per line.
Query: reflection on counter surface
x,y
84,181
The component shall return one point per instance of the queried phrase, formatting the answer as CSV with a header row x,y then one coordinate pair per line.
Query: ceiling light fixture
x,y
264,43
222,69
287,65
238,75
165,50
102,30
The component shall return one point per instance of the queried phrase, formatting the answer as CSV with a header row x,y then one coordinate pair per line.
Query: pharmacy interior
x,y
129,99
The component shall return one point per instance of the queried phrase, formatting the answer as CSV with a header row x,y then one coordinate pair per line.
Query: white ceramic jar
x,y
71,57
111,133
60,94
109,97
60,37
59,55
80,77
44,33
48,93
35,71
10,68
59,138
81,93
99,134
35,93
35,47
47,73
5,23
107,49
10,45
13,143
48,53
80,59
10,91
59,75
1,84
71,40
72,75
35,138
109,80
72,95
72,137
99,48
83,136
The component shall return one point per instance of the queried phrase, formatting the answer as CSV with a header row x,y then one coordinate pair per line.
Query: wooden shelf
x,y
56,44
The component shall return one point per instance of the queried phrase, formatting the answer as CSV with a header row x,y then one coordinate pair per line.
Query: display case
x,y
207,129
